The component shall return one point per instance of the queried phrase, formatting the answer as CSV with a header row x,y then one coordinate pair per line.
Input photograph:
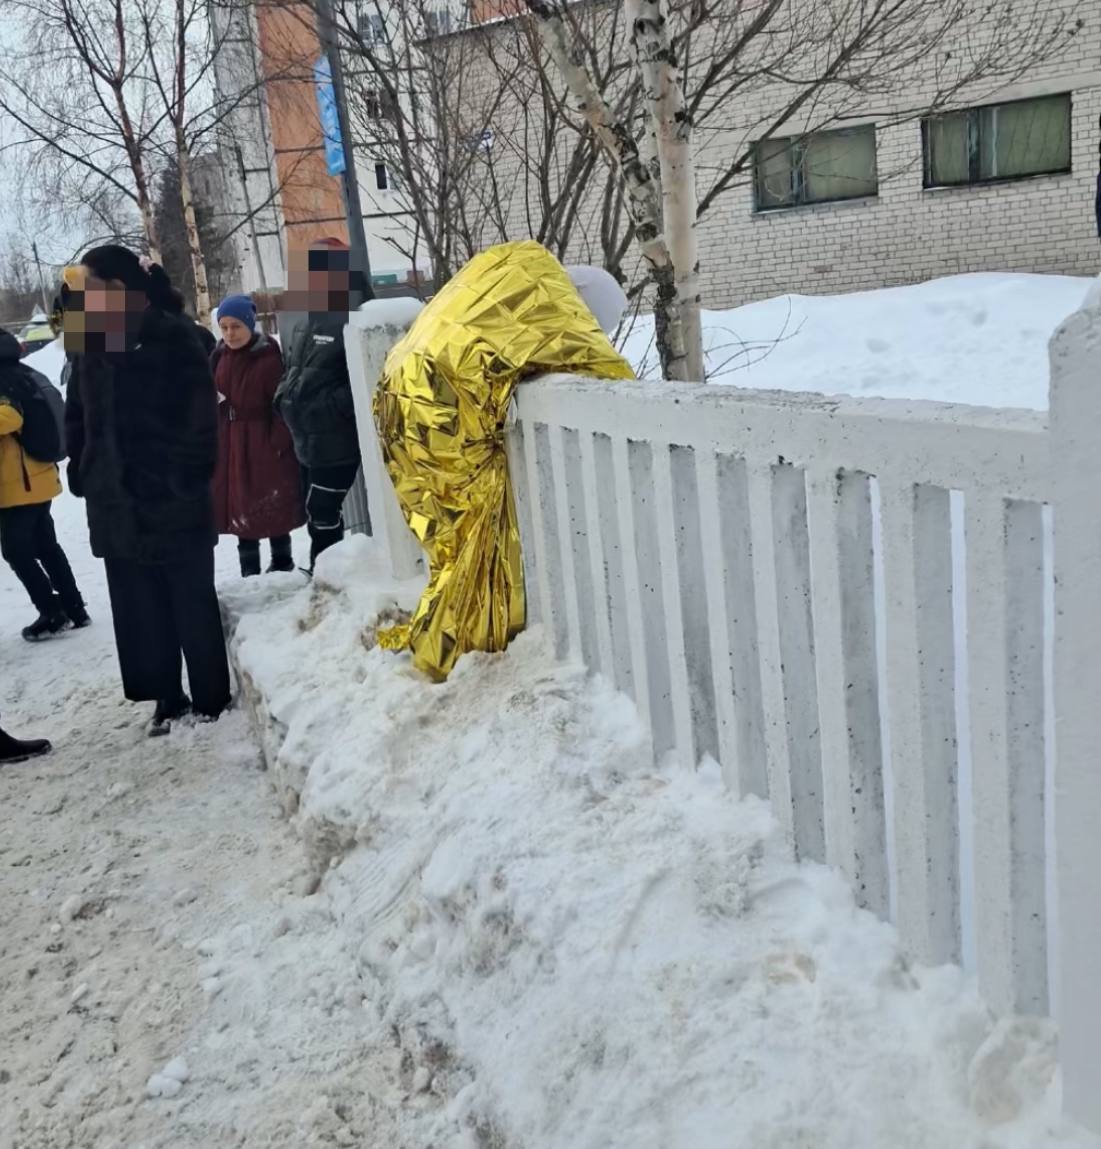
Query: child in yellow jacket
x,y
27,538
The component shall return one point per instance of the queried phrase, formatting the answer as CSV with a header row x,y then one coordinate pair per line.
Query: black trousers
x,y
249,552
30,547
166,614
326,490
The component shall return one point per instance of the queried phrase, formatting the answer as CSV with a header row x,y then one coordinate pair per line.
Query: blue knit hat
x,y
239,307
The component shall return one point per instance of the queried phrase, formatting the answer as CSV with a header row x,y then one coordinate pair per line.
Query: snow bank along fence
x,y
739,562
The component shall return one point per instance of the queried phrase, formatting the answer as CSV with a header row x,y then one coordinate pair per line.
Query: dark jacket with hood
x,y
315,395
142,432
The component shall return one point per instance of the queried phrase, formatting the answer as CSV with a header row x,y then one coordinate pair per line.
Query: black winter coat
x,y
315,395
142,433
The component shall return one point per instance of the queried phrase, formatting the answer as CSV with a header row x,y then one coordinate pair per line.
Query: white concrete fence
x,y
774,578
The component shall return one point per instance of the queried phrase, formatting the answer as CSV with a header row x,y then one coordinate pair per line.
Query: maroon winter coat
x,y
258,484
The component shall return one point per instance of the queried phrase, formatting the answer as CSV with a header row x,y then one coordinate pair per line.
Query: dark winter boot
x,y
79,617
248,551
12,750
51,622
167,713
282,556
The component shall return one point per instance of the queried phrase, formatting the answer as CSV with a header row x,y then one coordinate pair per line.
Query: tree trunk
x,y
672,127
644,198
194,244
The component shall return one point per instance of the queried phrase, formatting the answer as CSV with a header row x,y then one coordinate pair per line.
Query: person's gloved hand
x,y
76,484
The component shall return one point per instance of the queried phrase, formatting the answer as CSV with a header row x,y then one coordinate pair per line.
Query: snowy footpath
x,y
163,982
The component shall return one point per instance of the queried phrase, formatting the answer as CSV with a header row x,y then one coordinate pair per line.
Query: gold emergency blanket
x,y
440,410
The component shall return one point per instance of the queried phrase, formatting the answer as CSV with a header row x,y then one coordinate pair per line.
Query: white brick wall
x,y
907,233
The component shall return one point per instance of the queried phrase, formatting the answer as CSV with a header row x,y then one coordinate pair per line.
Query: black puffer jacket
x,y
142,432
315,396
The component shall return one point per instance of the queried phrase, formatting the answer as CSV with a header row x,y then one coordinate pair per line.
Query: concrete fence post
x,y
371,332
1075,439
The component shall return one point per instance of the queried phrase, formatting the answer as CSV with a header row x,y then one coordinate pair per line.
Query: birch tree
x,y
671,127
180,59
725,75
72,84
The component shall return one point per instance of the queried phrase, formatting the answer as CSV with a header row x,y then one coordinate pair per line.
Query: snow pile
x,y
978,339
575,949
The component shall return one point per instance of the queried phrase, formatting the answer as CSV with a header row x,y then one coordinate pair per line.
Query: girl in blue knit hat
x,y
258,483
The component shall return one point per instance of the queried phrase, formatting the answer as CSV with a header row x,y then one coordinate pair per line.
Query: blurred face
x,y
234,333
110,311
319,281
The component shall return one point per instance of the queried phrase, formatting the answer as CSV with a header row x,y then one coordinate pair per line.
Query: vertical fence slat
x,y
1005,656
845,648
680,688
597,559
917,563
759,478
736,540
715,581
565,539
793,576
613,547
1075,405
539,533
621,464
521,493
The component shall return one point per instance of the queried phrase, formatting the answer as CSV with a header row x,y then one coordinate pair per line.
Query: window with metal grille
x,y
822,167
437,21
998,142
371,27
379,104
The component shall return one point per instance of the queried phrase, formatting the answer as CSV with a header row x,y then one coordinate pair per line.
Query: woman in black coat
x,y
141,427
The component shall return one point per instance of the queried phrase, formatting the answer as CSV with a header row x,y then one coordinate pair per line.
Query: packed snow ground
x,y
487,923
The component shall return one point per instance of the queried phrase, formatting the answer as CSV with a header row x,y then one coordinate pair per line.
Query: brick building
x,y
1001,178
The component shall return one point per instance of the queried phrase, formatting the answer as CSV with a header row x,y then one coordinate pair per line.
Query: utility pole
x,y
357,237
41,279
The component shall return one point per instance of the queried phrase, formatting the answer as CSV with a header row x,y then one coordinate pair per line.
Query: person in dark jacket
x,y
142,432
206,337
28,485
258,484
315,395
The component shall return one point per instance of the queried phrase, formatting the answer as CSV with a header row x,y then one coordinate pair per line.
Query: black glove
x,y
76,484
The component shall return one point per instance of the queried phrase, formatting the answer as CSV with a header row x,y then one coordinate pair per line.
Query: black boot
x,y
168,712
282,556
50,622
12,750
248,551
79,616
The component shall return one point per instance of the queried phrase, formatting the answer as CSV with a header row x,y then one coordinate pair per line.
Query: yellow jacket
x,y
19,471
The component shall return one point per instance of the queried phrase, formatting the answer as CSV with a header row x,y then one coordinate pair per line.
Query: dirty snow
x,y
469,916
579,950
978,339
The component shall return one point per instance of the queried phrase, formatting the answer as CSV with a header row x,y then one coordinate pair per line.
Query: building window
x,y
437,21
371,27
382,177
822,167
998,142
379,104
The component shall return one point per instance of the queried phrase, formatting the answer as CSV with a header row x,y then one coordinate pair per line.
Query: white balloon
x,y
602,294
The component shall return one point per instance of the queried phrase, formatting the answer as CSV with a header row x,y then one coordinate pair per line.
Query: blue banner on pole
x,y
330,121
